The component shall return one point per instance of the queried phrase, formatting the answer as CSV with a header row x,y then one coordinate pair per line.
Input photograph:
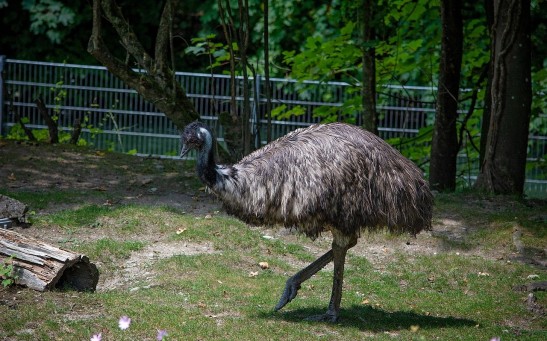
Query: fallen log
x,y
40,266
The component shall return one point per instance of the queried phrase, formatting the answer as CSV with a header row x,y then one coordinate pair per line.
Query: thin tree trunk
x,y
51,124
504,161
76,131
267,71
444,148
485,124
231,121
368,90
243,46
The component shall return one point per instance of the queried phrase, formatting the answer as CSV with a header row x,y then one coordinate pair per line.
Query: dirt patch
x,y
138,271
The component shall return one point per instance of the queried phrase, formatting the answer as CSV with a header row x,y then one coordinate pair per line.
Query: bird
x,y
333,177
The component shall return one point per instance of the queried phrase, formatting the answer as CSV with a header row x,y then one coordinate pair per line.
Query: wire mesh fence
x,y
115,117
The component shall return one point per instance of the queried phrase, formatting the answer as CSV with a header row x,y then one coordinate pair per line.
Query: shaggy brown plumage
x,y
334,177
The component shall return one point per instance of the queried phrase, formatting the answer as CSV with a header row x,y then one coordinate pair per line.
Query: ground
x,y
76,177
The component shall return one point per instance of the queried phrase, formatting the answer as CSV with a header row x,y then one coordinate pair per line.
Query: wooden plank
x,y
21,255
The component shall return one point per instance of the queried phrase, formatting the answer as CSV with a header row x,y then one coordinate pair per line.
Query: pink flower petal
x,y
124,322
161,334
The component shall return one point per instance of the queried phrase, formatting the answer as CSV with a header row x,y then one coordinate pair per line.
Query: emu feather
x,y
334,177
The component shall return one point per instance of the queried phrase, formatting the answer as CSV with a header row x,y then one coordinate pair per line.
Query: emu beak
x,y
184,150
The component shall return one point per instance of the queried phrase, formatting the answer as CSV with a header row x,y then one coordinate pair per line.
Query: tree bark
x,y
157,83
41,266
444,148
368,90
504,161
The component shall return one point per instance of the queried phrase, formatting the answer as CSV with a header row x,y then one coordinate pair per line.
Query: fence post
x,y
2,65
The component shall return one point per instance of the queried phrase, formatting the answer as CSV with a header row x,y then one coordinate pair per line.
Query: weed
x,y
6,272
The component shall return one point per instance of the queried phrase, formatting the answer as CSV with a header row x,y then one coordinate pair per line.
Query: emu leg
x,y
293,283
340,247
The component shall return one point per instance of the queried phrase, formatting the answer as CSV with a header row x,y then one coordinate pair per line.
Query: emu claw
x,y
291,289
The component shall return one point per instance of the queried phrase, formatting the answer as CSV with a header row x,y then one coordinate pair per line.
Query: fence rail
x,y
116,117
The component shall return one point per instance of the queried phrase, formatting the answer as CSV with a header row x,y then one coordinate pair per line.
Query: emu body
x,y
333,177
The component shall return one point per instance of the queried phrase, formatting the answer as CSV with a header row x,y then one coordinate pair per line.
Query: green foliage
x,y
6,272
281,113
217,52
326,60
323,59
417,148
49,17
538,122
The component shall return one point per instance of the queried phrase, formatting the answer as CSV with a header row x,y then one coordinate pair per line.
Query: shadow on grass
x,y
373,319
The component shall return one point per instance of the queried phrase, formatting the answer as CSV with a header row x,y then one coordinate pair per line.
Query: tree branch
x,y
128,37
161,53
157,83
469,113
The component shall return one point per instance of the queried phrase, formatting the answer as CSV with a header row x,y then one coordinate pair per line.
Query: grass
x,y
453,289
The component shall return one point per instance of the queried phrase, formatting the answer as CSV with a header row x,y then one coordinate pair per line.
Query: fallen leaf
x,y
414,328
365,301
253,273
202,305
264,265
486,274
100,153
181,230
532,276
208,216
12,177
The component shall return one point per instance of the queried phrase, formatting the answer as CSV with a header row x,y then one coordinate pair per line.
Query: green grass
x,y
455,293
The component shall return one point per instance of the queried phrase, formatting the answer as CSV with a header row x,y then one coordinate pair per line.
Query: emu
x,y
328,177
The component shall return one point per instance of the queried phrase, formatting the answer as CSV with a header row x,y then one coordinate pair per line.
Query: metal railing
x,y
116,117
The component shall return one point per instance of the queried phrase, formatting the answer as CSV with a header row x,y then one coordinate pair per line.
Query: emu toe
x,y
291,289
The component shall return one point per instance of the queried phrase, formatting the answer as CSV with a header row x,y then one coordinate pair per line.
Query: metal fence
x,y
116,117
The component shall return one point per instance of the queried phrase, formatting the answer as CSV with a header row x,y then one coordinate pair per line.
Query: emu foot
x,y
326,317
291,289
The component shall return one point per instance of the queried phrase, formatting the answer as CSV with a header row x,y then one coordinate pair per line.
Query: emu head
x,y
195,136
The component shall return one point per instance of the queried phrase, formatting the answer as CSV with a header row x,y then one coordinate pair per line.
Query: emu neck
x,y
206,165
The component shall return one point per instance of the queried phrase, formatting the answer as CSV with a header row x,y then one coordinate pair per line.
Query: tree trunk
x,y
444,148
504,161
41,267
485,124
157,84
368,90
